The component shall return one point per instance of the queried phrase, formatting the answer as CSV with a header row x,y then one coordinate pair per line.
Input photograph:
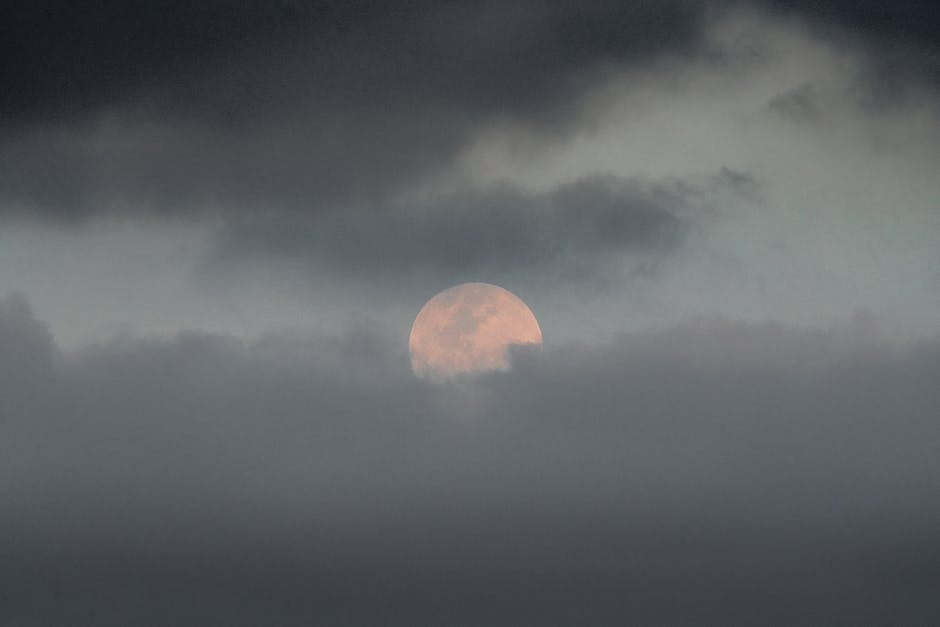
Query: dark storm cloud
x,y
908,22
228,60
902,39
264,105
267,106
717,472
565,233
65,60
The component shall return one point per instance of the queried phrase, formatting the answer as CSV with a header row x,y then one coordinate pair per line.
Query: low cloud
x,y
713,472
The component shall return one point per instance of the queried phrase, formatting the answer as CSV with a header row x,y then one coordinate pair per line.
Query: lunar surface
x,y
468,328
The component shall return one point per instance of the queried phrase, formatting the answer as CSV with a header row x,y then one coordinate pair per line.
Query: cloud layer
x,y
714,472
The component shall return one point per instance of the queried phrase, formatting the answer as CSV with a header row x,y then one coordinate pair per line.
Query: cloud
x,y
28,354
899,41
486,56
574,232
289,105
910,22
798,104
298,107
712,472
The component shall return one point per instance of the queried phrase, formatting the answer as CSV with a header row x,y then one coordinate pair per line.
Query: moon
x,y
468,328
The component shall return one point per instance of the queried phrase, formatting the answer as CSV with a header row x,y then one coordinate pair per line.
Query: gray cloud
x,y
284,110
230,64
899,40
799,104
290,105
899,24
714,472
212,59
300,106
573,232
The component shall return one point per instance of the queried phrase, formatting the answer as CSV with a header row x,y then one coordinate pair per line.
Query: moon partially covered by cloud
x,y
469,328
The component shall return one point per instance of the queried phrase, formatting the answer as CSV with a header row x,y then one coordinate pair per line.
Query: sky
x,y
218,221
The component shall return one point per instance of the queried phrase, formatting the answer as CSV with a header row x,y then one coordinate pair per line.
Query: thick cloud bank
x,y
716,472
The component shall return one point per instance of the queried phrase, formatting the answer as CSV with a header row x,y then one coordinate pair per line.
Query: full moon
x,y
468,328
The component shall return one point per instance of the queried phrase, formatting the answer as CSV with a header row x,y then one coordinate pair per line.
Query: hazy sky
x,y
218,221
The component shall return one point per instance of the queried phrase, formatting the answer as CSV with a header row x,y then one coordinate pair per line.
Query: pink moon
x,y
469,328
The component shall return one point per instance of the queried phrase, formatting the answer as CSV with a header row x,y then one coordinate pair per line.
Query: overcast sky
x,y
218,221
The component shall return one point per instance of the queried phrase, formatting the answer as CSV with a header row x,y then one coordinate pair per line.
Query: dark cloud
x,y
179,55
265,105
232,62
902,40
909,22
571,233
718,472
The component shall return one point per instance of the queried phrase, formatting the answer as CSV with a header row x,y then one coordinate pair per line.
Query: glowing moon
x,y
468,328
